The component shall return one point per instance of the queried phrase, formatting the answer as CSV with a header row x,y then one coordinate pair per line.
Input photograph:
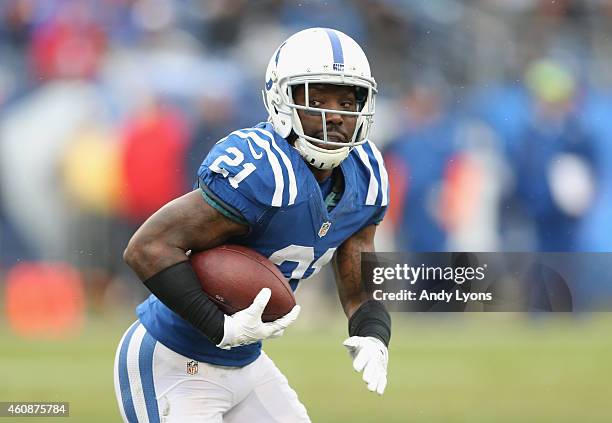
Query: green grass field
x,y
451,368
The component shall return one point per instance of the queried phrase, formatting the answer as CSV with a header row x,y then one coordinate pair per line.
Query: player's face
x,y
340,128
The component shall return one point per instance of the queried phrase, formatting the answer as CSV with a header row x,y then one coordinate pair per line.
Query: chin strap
x,y
312,154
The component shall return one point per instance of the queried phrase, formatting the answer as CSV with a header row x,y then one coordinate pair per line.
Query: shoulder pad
x,y
251,162
373,174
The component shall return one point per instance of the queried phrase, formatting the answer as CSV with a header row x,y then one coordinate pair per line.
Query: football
x,y
232,275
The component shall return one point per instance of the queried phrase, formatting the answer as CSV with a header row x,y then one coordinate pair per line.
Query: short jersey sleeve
x,y
243,173
378,216
375,181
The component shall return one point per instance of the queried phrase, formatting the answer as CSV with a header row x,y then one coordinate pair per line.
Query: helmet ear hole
x,y
361,96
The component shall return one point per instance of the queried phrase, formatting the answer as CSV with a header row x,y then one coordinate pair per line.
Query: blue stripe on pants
x,y
124,382
145,361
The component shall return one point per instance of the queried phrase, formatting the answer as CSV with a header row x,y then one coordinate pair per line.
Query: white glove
x,y
371,356
245,327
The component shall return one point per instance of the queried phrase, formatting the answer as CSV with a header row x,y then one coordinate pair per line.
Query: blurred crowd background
x,y
494,117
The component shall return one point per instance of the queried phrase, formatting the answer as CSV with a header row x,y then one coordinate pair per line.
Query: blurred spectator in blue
x,y
215,118
554,159
417,161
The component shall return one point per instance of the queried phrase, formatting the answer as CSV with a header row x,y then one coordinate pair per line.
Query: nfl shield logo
x,y
324,229
192,367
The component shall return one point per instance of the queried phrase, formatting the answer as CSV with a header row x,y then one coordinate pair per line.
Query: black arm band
x,y
371,319
179,289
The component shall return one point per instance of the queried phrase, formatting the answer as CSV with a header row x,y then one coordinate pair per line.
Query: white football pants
x,y
157,385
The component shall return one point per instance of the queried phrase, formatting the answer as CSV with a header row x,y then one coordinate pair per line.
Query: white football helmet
x,y
318,56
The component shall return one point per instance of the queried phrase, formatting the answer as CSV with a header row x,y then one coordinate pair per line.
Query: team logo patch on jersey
x,y
192,367
324,228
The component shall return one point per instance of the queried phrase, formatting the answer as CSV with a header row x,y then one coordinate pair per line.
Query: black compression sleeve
x,y
371,319
179,289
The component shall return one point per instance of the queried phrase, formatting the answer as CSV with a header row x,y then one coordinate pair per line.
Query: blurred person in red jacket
x,y
153,148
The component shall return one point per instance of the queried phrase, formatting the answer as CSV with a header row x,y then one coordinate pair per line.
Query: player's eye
x,y
315,103
347,105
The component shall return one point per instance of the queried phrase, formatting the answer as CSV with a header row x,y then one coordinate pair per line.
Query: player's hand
x,y
245,327
371,356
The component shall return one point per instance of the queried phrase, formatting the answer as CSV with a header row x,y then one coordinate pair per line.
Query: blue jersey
x,y
256,176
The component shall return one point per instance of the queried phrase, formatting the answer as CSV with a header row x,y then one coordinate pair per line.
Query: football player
x,y
311,162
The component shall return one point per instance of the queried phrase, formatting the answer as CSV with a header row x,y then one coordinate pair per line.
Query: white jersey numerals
x,y
236,160
304,257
